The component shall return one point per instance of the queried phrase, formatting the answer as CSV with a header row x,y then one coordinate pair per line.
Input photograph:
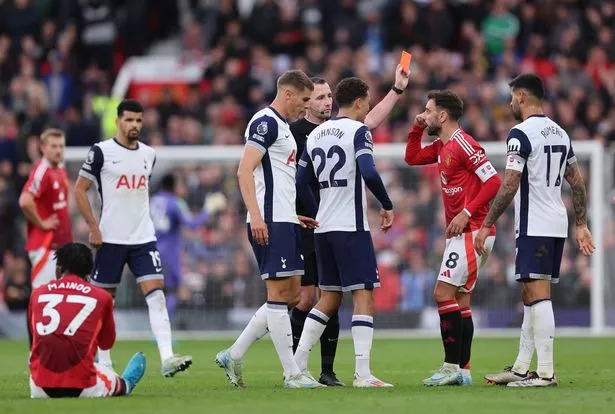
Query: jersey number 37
x,y
52,300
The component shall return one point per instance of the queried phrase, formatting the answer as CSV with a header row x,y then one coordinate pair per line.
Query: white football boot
x,y
302,380
232,367
505,377
175,364
446,375
369,382
533,380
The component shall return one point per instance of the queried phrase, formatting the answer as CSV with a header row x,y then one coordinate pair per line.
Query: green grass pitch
x,y
584,366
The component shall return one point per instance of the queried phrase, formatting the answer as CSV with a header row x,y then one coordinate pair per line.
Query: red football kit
x,y
468,179
69,319
49,186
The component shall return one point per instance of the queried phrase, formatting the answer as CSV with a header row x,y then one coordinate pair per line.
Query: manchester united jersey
x,y
69,319
49,187
463,167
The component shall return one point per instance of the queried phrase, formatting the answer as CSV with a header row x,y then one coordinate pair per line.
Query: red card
x,y
405,61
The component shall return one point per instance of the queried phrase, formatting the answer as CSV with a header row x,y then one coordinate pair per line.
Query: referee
x,y
320,107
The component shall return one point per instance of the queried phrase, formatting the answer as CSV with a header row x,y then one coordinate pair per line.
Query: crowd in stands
x,y
58,56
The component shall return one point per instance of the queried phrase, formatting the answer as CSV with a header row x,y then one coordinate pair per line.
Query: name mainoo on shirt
x,y
335,132
80,287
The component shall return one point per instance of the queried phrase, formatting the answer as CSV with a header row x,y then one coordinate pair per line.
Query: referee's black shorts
x,y
310,277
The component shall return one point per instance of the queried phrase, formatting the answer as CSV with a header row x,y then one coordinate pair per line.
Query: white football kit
x,y
274,177
333,150
122,178
344,250
541,150
122,175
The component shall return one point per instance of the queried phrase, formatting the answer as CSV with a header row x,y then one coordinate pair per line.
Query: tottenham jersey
x,y
122,177
333,148
540,149
274,177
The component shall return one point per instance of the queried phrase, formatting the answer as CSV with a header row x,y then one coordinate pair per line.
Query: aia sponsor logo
x,y
132,182
292,158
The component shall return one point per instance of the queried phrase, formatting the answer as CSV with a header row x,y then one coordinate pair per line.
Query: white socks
x,y
159,322
256,329
526,343
315,324
104,357
544,331
362,336
282,337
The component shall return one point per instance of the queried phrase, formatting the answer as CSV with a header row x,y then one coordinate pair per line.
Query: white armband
x,y
485,171
515,162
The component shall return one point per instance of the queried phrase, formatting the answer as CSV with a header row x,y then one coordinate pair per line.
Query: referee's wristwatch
x,y
397,90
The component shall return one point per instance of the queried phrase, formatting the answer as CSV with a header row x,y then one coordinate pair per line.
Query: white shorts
x,y
460,264
107,385
43,266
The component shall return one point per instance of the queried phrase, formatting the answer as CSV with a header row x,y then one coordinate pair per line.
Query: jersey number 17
x,y
550,150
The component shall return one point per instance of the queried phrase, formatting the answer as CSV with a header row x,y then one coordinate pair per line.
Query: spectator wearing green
x,y
498,27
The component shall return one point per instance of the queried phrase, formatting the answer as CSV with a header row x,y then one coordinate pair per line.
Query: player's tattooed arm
x,y
579,196
579,201
503,198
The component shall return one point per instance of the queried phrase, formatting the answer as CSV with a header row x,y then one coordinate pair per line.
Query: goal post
x,y
390,156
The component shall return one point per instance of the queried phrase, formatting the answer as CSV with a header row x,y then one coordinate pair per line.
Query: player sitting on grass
x,y
69,319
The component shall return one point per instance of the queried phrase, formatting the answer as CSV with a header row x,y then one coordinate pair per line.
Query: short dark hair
x,y
75,259
448,101
530,82
168,182
297,79
348,90
318,81
129,105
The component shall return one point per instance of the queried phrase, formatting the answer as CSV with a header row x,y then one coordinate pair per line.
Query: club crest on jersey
x,y
132,182
448,160
262,128
443,178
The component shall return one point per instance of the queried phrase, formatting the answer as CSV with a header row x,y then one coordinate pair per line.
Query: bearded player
x,y
469,182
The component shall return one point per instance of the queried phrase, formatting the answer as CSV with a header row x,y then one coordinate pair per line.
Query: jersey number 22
x,y
341,160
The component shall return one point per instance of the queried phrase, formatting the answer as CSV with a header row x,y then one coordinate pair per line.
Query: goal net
x,y
220,287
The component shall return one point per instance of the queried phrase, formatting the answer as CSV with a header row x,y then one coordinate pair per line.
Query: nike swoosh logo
x,y
116,162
